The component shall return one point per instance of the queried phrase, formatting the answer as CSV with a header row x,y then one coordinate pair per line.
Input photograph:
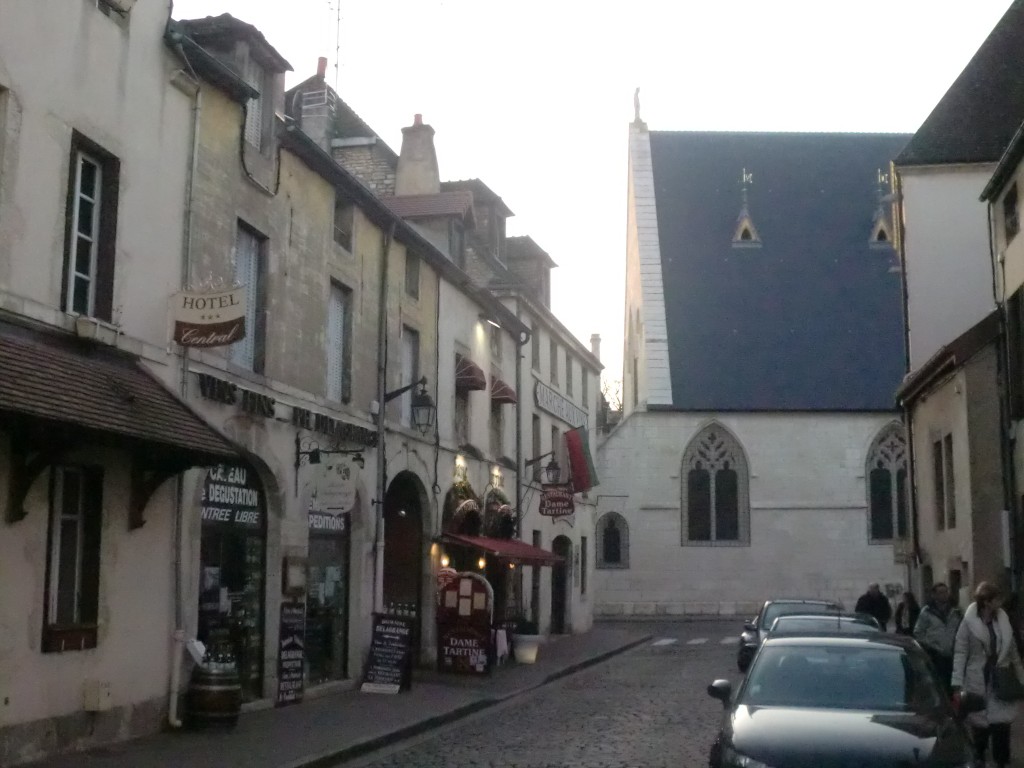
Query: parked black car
x,y
824,623
837,701
755,630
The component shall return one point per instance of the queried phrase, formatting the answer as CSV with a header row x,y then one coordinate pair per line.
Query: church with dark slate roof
x,y
760,453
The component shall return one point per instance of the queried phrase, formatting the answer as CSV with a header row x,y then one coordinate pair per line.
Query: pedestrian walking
x,y
935,631
906,614
984,654
874,603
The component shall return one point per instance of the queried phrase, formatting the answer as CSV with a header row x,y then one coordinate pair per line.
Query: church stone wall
x,y
808,515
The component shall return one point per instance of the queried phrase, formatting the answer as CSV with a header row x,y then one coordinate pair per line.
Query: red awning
x,y
502,392
511,550
469,377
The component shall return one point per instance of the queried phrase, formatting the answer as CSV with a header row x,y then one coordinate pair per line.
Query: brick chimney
x,y
417,172
321,67
595,344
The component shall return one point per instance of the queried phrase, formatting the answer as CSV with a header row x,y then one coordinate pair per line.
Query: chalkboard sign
x,y
389,668
291,657
464,649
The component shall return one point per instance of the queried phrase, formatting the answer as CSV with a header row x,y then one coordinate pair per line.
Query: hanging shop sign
x,y
557,501
336,485
389,666
552,401
231,496
209,319
291,655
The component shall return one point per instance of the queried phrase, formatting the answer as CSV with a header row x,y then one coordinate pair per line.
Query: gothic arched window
x,y
612,541
886,475
715,490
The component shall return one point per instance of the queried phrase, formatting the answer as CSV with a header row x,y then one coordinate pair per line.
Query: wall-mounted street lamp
x,y
552,470
423,408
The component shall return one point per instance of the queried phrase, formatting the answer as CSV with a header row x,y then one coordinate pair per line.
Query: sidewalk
x,y
323,731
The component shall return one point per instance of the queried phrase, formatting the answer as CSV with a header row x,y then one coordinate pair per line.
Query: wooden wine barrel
x,y
214,697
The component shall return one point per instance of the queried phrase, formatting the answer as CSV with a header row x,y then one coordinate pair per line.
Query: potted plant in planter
x,y
525,641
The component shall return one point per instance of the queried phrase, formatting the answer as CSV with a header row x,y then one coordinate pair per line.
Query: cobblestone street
x,y
644,709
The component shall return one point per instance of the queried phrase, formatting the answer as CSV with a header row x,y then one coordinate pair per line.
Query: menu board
x,y
389,667
291,656
463,648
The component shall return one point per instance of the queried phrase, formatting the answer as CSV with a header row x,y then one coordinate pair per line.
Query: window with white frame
x,y
535,350
944,483
495,342
256,77
715,487
339,354
461,416
568,373
91,228
412,275
248,351
344,222
73,563
497,429
410,369
553,349
887,484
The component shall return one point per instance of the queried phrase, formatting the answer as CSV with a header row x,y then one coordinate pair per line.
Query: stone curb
x,y
361,748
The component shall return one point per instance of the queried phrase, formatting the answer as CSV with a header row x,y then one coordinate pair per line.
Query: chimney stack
x,y
417,172
595,344
321,67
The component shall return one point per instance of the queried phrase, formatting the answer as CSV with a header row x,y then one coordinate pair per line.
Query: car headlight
x,y
733,759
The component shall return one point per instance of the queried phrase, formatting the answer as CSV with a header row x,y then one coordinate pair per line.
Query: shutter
x,y
92,511
335,343
247,247
254,109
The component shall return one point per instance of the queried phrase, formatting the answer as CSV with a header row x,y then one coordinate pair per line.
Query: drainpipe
x,y
178,649
524,337
382,370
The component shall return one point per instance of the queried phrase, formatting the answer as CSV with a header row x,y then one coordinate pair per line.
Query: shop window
x,y
410,369
497,429
344,222
1011,214
73,564
327,584
715,503
887,480
339,351
250,273
232,559
412,275
90,230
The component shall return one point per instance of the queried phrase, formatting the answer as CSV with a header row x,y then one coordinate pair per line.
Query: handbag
x,y
1005,684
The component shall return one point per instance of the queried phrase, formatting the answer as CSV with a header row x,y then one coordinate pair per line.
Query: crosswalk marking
x,y
697,641
666,641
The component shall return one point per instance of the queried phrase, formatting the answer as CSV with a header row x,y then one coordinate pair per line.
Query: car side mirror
x,y
750,626
721,690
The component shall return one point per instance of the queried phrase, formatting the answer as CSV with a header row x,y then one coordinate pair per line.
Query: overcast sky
x,y
535,97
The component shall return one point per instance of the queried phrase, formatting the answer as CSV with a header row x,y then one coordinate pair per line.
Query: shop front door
x,y
561,546
327,584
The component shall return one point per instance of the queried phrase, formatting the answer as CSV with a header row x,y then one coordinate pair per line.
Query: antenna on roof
x,y
335,5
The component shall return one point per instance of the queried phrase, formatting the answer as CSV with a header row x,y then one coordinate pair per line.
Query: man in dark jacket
x,y
874,603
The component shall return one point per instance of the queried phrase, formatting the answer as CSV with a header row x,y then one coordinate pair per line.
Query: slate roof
x,y
65,380
222,31
980,112
812,319
481,193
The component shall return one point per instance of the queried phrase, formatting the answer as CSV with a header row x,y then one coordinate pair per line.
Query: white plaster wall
x,y
134,637
132,111
809,524
946,246
944,411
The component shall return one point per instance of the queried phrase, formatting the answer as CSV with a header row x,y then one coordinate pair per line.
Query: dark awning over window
x,y
469,377
66,381
511,550
502,392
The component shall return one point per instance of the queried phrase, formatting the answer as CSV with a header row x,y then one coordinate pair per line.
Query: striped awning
x,y
502,392
469,377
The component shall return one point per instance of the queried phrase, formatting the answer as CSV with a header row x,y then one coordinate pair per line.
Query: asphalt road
x,y
644,709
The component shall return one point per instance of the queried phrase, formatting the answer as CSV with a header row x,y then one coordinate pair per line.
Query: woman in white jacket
x,y
983,642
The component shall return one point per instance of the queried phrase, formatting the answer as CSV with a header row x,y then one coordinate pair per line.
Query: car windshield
x,y
841,677
774,610
791,624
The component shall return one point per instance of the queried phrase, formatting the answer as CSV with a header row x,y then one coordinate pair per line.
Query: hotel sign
x,y
554,403
208,319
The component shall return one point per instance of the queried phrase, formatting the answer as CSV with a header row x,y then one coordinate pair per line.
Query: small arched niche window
x,y
745,234
715,490
886,475
881,234
612,541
